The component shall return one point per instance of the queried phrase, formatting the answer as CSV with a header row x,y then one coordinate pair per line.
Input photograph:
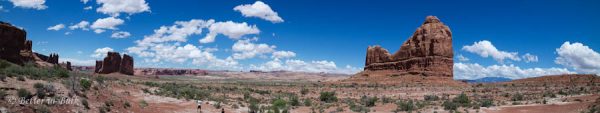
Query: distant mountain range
x,y
489,80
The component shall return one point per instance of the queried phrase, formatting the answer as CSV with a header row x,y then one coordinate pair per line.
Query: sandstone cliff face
x,y
126,65
114,63
427,52
14,47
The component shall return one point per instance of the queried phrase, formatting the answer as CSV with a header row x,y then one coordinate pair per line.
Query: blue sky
x,y
315,35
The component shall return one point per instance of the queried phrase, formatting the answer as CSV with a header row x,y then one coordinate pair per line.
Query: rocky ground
x,y
241,92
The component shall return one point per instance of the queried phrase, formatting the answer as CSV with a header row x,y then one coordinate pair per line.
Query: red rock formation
x,y
41,56
14,46
427,52
111,63
126,65
376,54
53,58
69,67
114,63
98,67
28,45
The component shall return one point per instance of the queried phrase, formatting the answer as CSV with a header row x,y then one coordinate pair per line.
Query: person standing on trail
x,y
199,108
222,110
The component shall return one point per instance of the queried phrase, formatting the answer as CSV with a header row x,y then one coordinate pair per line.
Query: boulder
x,y
427,52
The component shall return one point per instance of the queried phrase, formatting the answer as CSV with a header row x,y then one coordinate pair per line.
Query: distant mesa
x,y
169,71
428,52
15,48
114,63
488,80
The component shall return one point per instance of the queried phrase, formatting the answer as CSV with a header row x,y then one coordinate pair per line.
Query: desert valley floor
x,y
242,92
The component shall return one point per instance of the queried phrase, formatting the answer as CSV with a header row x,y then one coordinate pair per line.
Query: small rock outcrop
x,y
68,66
53,58
427,52
114,63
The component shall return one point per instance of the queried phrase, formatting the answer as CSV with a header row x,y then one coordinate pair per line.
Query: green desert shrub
x,y
85,103
462,100
186,91
405,105
517,97
368,101
328,97
449,105
279,103
21,78
23,93
143,103
85,84
2,77
293,100
3,94
253,107
30,70
486,102
44,90
356,108
4,64
307,102
304,91
431,98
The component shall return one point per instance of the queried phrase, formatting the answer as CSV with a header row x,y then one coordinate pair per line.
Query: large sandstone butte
x,y
427,52
114,63
14,46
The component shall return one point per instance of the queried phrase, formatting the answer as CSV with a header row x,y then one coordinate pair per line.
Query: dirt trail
x,y
565,107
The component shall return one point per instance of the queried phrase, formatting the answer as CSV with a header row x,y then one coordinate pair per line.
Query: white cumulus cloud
x,y
120,34
78,62
462,58
259,9
486,49
230,29
165,45
179,32
33,4
87,8
303,66
245,49
530,58
283,54
115,7
83,25
101,52
579,57
56,27
107,23
475,71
